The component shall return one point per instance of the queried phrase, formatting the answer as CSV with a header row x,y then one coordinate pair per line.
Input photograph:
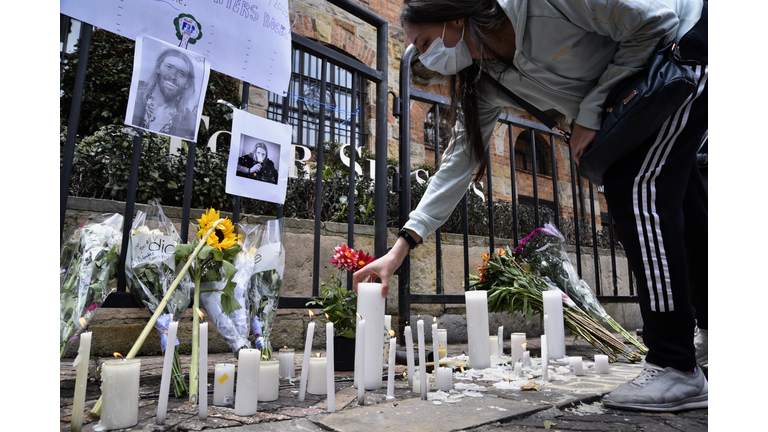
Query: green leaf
x,y
229,270
205,251
228,302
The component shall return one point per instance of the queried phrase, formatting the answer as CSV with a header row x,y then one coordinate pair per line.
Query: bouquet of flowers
x,y
213,263
150,269
339,304
266,278
234,326
87,263
512,287
543,251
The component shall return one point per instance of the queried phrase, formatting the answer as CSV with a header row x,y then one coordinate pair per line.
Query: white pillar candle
x,y
165,380
416,386
247,392
202,396
444,379
517,346
526,361
555,330
494,346
360,360
388,322
391,368
269,380
305,362
601,364
409,353
442,339
330,368
578,365
287,359
317,376
223,384
500,339
518,372
422,359
544,359
477,329
81,381
120,393
370,306
359,350
435,345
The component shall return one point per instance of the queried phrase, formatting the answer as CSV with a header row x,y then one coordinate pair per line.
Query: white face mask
x,y
447,61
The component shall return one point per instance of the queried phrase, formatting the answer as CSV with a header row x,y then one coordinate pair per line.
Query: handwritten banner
x,y
248,40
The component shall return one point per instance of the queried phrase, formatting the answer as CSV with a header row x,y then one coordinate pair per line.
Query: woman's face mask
x,y
447,61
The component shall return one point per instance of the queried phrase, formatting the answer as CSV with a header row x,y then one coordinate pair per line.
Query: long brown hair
x,y
481,18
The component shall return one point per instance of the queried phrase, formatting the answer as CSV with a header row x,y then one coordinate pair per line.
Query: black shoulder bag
x,y
635,108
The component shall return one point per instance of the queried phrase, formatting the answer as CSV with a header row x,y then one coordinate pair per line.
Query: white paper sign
x,y
259,155
248,40
167,89
149,248
267,257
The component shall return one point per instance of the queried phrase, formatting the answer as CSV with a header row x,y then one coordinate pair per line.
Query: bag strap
x,y
540,116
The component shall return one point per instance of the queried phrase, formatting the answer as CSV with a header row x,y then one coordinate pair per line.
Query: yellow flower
x,y
223,237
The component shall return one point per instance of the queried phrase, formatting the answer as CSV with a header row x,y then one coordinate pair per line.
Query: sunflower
x,y
223,237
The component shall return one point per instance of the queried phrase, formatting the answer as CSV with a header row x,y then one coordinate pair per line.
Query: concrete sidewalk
x,y
566,402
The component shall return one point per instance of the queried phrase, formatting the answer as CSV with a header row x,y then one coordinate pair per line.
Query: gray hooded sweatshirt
x,y
569,54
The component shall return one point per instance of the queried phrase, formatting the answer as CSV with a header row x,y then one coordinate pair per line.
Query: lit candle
x,y
317,376
601,364
435,344
422,359
555,330
202,397
477,329
500,340
526,359
223,384
360,360
330,371
81,381
120,393
409,353
444,379
307,355
442,338
165,380
544,359
370,305
247,392
578,365
494,346
287,358
269,380
391,366
517,346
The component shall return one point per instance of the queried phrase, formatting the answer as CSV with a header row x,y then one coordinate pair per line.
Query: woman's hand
x,y
581,138
383,267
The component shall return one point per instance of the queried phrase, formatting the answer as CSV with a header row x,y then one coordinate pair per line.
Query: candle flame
x,y
264,356
117,354
285,347
434,319
326,316
462,369
318,355
404,374
524,345
311,315
83,322
506,379
392,333
202,315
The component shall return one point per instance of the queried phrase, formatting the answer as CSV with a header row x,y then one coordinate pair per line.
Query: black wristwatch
x,y
411,241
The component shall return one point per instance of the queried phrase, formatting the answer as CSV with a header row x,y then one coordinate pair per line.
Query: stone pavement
x,y
566,402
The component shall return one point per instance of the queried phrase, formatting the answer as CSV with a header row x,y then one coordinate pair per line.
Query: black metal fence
x,y
406,298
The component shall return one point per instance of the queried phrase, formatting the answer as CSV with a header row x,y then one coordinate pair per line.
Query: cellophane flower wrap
x,y
543,251
150,270
87,263
233,327
265,282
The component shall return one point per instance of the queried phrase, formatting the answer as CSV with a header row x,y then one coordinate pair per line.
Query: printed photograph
x,y
254,161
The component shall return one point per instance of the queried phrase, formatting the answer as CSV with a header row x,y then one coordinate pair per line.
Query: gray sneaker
x,y
661,389
700,340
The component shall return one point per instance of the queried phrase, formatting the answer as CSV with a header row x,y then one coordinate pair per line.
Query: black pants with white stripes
x,y
658,201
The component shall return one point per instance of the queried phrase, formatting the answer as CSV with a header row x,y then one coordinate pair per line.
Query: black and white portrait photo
x,y
254,162
167,89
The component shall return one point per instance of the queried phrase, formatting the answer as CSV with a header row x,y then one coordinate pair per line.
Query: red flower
x,y
345,257
363,259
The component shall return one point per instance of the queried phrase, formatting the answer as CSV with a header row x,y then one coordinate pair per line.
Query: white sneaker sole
x,y
701,401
